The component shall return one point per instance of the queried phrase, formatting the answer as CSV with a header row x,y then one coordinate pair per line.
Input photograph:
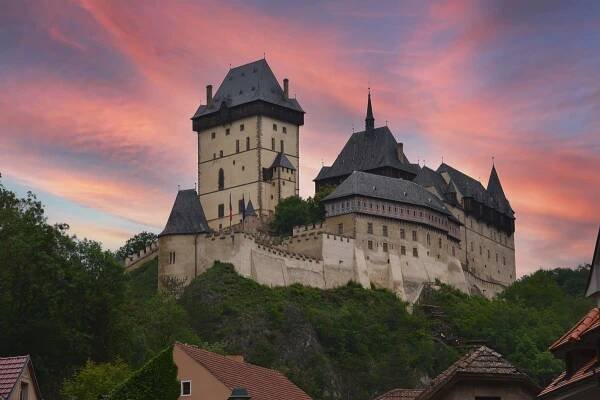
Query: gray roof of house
x,y
365,151
187,215
282,161
386,188
247,83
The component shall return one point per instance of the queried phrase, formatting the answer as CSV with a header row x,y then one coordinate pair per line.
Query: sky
x,y
96,99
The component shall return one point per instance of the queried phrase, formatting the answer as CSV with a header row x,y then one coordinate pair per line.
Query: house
x,y
481,374
579,348
209,376
17,379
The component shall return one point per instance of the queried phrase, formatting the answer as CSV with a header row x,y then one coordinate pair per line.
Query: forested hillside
x,y
88,325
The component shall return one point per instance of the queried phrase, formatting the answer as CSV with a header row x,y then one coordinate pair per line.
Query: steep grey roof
x,y
187,215
430,178
364,151
249,209
494,188
248,83
386,188
282,161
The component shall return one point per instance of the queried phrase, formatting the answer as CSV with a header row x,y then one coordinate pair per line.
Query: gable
x,y
205,386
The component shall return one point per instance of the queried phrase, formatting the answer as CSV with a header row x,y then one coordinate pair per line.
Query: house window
x,y
284,129
221,210
403,250
213,135
227,131
172,257
370,244
221,179
402,234
385,247
237,146
281,145
24,394
415,252
340,229
241,127
272,143
369,227
384,230
275,127
247,143
414,235
186,388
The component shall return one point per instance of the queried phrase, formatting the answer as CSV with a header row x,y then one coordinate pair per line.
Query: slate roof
x,y
261,383
187,215
587,370
386,188
590,322
364,151
593,284
481,361
400,394
282,161
247,83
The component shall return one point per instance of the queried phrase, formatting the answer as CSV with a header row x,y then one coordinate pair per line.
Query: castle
x,y
389,223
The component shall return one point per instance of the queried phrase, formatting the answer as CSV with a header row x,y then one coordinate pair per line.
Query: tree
x,y
290,212
136,244
316,208
95,380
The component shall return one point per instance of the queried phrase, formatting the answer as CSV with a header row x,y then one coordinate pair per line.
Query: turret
x,y
369,121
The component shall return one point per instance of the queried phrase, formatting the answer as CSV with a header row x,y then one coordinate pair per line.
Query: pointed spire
x,y
494,186
369,121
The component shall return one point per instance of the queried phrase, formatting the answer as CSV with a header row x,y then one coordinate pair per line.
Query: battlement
x,y
308,229
136,260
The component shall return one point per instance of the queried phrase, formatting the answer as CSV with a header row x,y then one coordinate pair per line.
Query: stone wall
x,y
137,260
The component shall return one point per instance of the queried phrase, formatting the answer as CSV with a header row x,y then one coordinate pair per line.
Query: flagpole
x,y
230,211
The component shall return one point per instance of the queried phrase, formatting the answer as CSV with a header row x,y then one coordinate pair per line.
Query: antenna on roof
x,y
493,161
352,128
442,159
264,55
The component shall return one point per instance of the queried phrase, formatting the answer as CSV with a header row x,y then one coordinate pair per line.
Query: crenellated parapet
x,y
136,260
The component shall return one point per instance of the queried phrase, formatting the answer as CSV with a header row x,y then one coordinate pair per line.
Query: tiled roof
x,y
261,383
481,361
588,323
187,215
400,394
587,370
247,83
393,189
10,371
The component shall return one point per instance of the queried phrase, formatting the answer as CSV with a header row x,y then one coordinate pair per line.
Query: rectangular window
x,y
247,143
370,244
480,250
369,227
275,127
414,235
24,394
488,254
415,252
384,230
237,146
186,388
281,145
472,246
241,127
385,247
221,210
213,135
227,131
284,129
172,257
403,250
340,229
402,234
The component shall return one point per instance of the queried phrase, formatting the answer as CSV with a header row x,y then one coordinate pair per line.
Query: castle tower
x,y
248,144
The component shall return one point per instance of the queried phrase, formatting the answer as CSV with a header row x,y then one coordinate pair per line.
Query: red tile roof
x,y
588,323
10,371
400,394
587,370
261,383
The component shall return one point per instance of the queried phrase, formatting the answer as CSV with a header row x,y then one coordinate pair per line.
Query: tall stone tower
x,y
248,144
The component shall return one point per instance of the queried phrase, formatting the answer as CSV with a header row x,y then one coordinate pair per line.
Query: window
x,y
440,243
186,388
503,260
370,244
213,135
220,153
369,227
247,143
284,129
241,206
221,179
227,131
241,127
273,144
428,239
414,235
472,246
402,234
275,127
214,155
385,247
281,145
221,210
488,254
403,250
172,257
237,146
496,257
24,394
415,252
480,250
384,230
340,229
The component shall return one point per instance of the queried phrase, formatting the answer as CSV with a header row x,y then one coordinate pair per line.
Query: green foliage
x,y
95,380
157,379
136,244
333,343
294,211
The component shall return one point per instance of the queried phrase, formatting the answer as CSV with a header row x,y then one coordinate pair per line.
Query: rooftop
x,y
187,215
10,371
589,323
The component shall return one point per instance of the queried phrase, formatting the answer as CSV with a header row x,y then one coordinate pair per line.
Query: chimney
x,y
286,88
239,393
208,95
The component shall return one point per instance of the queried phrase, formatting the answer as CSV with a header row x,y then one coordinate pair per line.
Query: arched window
x,y
221,179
